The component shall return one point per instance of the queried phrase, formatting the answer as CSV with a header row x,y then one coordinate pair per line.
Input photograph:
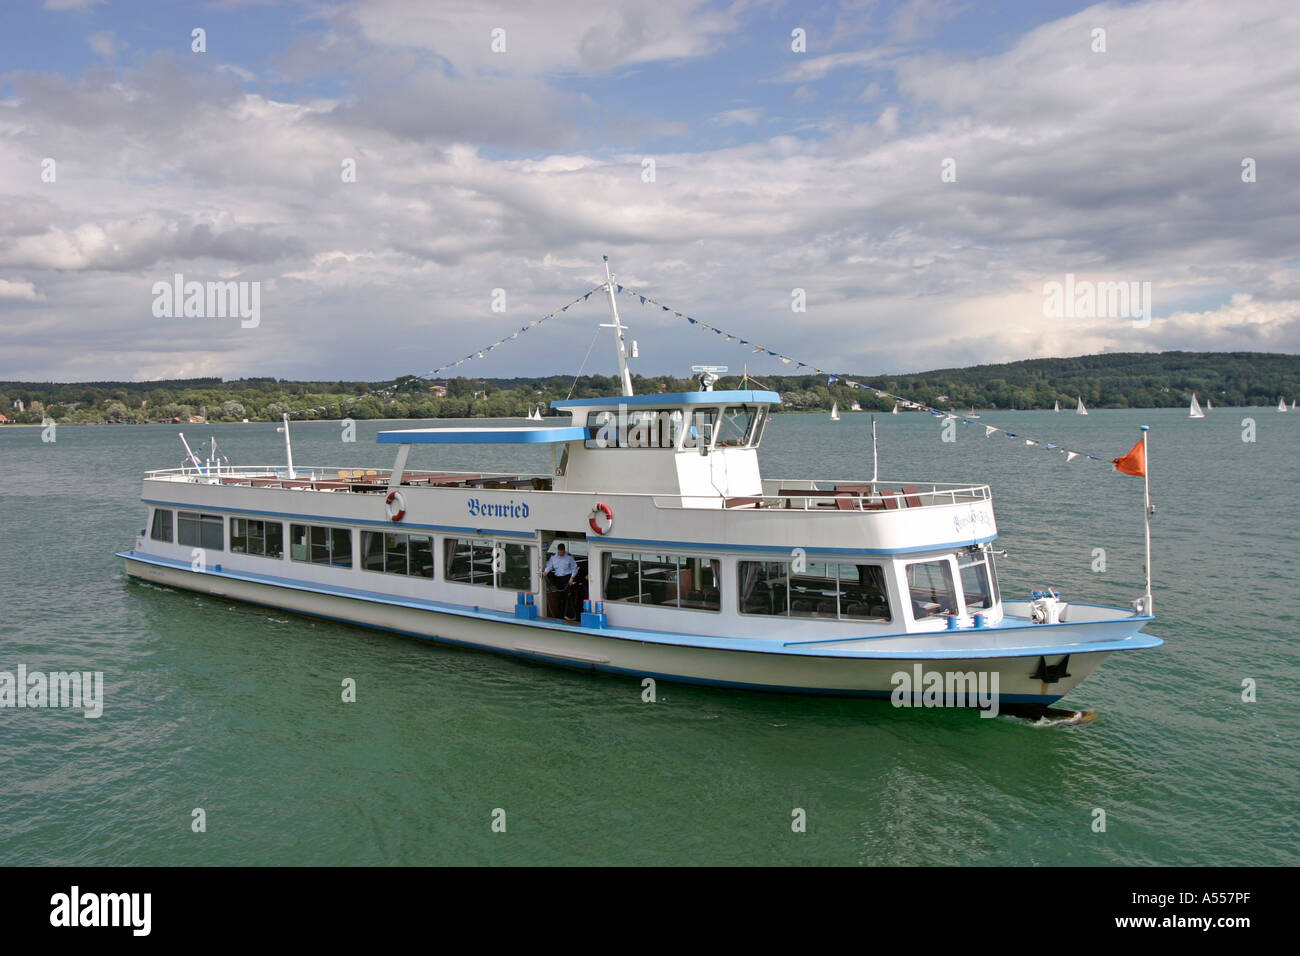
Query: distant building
x,y
18,404
439,390
4,419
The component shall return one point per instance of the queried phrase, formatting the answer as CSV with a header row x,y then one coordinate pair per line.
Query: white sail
x,y
1195,410
1281,404
1058,406
895,411
1081,410
1209,405
835,411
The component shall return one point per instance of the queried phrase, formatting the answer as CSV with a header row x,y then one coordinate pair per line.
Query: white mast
x,y
1146,495
618,328
288,447
875,460
190,452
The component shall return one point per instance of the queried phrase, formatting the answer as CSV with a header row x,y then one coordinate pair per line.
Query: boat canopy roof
x,y
729,397
483,436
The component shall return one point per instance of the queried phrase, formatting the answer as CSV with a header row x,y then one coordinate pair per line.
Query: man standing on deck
x,y
561,572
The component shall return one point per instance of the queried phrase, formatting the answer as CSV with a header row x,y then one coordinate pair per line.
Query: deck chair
x,y
913,498
889,498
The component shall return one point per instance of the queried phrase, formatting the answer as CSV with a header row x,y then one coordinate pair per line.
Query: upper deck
x,y
816,494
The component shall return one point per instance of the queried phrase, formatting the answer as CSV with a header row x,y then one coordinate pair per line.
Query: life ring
x,y
396,506
596,512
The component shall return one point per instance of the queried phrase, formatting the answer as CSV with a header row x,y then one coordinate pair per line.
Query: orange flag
x,y
1134,463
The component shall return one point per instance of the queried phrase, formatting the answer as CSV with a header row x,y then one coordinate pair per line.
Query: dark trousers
x,y
566,595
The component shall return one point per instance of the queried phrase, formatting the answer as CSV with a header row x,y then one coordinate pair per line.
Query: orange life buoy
x,y
396,506
596,512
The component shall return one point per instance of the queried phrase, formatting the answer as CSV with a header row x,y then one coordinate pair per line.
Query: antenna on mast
x,y
618,328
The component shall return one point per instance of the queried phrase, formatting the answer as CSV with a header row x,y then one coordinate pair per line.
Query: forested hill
x,y
1117,380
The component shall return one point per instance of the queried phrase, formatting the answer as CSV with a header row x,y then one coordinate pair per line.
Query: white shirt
x,y
562,564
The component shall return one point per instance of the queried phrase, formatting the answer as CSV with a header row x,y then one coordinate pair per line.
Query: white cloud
x,y
105,44
18,291
747,116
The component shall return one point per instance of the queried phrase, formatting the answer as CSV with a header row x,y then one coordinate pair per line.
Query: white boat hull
x,y
839,671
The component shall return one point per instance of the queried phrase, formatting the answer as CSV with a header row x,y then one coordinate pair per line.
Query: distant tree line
x,y
1117,380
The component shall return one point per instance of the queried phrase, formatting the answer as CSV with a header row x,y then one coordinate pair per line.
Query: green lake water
x,y
237,709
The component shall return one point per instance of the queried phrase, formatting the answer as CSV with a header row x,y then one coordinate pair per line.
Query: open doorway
x,y
564,588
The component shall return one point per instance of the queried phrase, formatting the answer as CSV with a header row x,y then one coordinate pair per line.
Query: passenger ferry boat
x,y
691,566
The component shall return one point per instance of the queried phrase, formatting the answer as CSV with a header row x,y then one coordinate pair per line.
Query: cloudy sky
x,y
920,169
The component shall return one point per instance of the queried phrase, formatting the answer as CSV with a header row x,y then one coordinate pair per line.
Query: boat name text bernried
x,y
480,509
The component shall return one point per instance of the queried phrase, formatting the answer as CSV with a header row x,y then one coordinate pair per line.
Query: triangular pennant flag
x,y
1071,455
1134,463
690,320
1050,446
1011,434
1030,441
642,298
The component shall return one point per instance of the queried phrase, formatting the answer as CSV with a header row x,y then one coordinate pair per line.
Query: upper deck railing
x,y
833,495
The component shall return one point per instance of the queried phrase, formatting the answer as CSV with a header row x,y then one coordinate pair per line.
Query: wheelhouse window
x,y
254,536
161,529
408,554
855,592
321,544
977,582
931,588
663,580
737,425
200,530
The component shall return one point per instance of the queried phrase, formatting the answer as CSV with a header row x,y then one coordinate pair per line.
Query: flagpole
x,y
1146,511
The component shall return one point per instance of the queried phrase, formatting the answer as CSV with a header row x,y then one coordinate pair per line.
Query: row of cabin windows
x,y
818,589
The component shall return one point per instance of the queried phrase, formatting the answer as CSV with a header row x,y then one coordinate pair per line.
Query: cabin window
x,y
468,561
161,529
736,425
517,572
486,563
931,587
397,553
975,584
200,531
853,592
321,544
253,536
663,580
638,428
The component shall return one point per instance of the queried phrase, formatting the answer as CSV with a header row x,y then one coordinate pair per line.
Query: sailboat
x,y
1081,410
835,411
1058,406
535,415
895,410
1209,405
1281,405
1195,410
1293,404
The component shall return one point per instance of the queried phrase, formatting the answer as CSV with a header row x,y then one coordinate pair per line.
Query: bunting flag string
x,y
391,388
756,349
